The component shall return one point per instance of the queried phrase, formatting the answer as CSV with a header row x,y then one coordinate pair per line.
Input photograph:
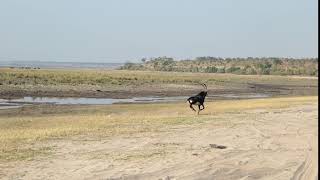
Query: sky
x,y
128,30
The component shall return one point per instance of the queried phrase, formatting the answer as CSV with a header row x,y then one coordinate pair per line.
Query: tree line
x,y
246,66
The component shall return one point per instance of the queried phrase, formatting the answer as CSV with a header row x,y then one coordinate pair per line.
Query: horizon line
x,y
139,59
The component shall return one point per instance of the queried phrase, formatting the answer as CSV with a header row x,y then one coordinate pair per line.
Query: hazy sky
x,y
122,30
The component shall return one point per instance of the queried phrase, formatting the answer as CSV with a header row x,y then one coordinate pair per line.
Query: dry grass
x,y
19,134
124,78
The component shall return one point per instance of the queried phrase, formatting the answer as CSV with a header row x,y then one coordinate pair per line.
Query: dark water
x,y
14,103
94,101
42,64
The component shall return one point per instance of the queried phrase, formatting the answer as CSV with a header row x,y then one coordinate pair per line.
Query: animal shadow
x,y
217,146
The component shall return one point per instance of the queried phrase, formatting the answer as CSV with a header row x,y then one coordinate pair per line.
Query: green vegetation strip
x,y
123,78
248,66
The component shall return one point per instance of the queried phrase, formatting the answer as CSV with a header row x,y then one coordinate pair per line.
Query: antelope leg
x,y
192,107
199,109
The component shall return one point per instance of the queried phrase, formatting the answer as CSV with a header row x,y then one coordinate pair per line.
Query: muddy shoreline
x,y
12,92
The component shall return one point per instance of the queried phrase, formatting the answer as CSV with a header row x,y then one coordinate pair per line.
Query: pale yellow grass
x,y
123,78
18,134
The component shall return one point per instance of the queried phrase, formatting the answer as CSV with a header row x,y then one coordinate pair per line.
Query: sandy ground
x,y
260,144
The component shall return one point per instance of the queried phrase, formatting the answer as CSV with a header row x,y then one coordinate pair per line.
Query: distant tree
x,y
144,60
233,69
221,70
250,65
211,69
276,61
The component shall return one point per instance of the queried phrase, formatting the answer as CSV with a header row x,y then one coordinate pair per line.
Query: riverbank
x,y
19,83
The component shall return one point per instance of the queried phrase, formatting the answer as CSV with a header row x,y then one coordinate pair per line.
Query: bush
x,y
211,69
233,69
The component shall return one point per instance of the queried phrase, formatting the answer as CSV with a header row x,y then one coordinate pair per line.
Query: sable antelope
x,y
198,99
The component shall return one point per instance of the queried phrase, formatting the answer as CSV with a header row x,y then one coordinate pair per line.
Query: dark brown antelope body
x,y
198,99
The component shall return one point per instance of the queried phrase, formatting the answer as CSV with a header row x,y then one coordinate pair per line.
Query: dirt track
x,y
260,144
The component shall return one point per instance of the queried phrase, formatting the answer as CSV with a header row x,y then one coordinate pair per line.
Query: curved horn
x,y
204,86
